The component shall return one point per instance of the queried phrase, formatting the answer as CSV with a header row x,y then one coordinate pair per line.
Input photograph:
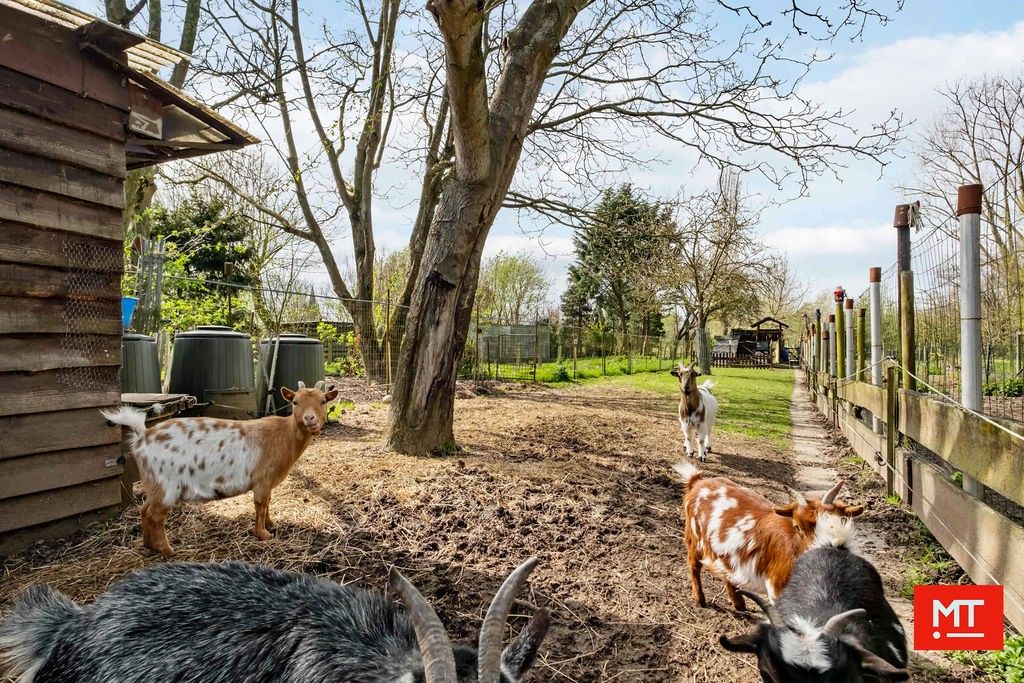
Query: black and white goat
x,y
697,409
232,622
832,623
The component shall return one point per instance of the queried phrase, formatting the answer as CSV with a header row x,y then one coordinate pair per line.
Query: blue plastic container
x,y
128,304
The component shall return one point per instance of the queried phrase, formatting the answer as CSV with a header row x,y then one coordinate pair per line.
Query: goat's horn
x,y
834,626
797,496
438,660
768,608
832,493
321,385
302,385
493,628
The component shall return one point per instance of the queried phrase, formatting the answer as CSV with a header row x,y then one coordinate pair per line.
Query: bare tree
x,y
717,265
783,293
566,81
978,138
513,289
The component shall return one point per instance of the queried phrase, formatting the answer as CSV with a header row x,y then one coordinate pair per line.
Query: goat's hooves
x,y
165,550
263,534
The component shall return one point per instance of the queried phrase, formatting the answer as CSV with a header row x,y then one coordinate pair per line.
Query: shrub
x,y
1008,387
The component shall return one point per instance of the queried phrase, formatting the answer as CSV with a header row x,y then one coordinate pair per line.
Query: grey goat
x,y
236,622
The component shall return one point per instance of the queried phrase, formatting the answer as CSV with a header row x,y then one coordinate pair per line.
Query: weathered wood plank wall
x,y
62,166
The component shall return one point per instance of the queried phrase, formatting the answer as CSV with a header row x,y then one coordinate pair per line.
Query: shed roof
x,y
148,55
762,321
164,123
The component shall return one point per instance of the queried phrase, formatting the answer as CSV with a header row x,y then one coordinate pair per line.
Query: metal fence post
x,y
536,346
968,209
387,338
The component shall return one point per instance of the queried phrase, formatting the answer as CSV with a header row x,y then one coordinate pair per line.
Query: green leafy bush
x,y
1008,387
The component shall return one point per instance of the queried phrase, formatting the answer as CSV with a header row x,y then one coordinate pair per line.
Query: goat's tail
x,y
835,531
708,384
31,629
128,417
688,472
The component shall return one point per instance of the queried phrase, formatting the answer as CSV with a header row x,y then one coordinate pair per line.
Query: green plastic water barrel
x,y
140,364
299,358
211,358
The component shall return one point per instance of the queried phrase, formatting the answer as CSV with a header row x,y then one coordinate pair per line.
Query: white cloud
x,y
832,241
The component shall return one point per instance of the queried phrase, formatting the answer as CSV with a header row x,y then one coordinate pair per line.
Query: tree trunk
x,y
422,407
703,350
487,135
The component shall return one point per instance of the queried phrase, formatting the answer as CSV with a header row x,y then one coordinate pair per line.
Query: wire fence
x,y
935,262
362,339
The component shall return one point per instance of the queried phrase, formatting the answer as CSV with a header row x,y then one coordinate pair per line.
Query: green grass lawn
x,y
751,402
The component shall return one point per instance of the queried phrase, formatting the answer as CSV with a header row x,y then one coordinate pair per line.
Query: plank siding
x,y
36,173
57,431
37,352
58,469
37,282
31,207
48,102
40,392
14,541
41,247
22,315
48,506
25,133
61,63
63,126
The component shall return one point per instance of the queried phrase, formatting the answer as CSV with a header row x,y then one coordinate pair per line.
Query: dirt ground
x,y
579,477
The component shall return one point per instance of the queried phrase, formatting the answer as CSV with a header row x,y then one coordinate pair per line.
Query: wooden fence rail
x,y
988,545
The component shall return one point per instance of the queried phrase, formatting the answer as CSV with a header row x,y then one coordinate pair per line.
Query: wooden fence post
x,y
861,334
832,334
891,428
851,341
901,221
907,351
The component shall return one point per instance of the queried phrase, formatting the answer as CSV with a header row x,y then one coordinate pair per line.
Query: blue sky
x,y
833,235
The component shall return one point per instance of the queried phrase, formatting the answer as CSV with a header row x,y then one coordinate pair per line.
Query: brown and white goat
x,y
201,458
698,409
744,538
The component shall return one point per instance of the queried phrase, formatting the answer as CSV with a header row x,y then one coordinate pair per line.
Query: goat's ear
x,y
287,394
331,395
744,642
674,371
850,510
786,510
521,653
872,663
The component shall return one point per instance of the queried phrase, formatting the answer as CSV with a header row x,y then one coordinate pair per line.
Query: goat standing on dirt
x,y
215,623
832,623
697,409
201,458
744,538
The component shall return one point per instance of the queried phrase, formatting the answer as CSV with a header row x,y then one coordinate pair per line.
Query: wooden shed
x,y
79,107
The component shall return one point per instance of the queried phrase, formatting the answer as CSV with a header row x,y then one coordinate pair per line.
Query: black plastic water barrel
x,y
299,358
140,365
212,358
